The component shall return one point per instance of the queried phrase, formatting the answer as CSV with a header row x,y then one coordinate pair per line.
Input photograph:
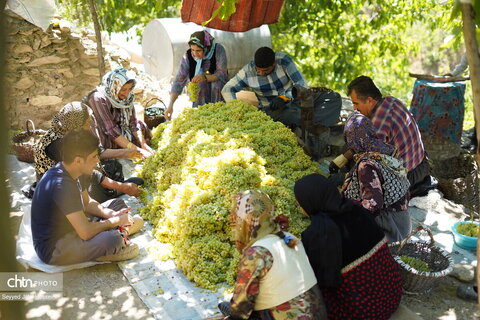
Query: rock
x,y
45,100
36,43
22,48
53,92
91,72
24,83
66,73
47,60
23,59
65,26
463,272
27,32
75,36
45,41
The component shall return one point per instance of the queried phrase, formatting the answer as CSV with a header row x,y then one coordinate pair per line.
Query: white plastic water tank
x,y
166,40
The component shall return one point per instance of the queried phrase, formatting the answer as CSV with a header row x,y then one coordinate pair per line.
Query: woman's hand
x,y
199,78
168,113
147,148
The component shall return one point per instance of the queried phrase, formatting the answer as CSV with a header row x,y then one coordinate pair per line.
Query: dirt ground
x,y
102,292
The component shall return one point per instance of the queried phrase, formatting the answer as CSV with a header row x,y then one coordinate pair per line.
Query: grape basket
x,y
154,115
24,141
439,260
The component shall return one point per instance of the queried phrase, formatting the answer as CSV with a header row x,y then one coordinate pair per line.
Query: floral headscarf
x,y
252,218
112,82
204,40
360,136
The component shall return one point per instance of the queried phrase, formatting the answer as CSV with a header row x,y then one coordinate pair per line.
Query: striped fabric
x,y
279,82
396,126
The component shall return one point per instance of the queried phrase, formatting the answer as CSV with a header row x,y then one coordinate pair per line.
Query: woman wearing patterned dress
x,y
274,279
348,252
378,180
205,63
48,151
112,104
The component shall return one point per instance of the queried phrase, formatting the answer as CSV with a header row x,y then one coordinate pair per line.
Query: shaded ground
x,y
442,303
98,292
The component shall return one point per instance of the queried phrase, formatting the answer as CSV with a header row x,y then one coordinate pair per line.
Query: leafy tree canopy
x,y
336,41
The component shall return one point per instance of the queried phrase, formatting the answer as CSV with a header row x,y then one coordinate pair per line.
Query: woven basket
x,y
438,260
155,120
24,141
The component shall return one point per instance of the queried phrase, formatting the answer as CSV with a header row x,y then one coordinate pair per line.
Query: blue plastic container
x,y
463,241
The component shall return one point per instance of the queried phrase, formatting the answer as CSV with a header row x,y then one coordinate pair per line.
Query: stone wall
x,y
47,69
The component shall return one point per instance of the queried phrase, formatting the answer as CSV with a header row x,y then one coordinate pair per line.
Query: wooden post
x,y
98,36
8,263
468,18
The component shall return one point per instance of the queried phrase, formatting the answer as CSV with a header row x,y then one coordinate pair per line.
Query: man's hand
x,y
277,104
131,189
125,219
120,212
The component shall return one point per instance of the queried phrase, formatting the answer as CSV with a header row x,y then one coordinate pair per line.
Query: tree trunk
x,y
96,25
8,263
474,68
468,18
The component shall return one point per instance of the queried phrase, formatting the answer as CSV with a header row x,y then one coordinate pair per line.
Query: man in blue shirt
x,y
272,76
62,232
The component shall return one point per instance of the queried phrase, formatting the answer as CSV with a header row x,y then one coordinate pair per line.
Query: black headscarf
x,y
340,231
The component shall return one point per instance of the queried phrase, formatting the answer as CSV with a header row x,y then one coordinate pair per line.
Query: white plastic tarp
x,y
38,12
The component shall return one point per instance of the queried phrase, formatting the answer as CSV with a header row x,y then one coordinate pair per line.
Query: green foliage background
x,y
336,41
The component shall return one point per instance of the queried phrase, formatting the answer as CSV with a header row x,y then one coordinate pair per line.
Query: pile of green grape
x,y
203,158
416,263
468,229
192,90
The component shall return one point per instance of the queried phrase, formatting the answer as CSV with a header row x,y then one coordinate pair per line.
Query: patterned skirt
x,y
371,287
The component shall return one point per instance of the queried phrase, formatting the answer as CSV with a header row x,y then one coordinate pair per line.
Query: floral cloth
x,y
252,218
360,135
255,264
379,182
439,108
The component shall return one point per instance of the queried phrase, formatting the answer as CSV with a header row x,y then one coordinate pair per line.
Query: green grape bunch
x,y
416,263
204,157
468,229
192,90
